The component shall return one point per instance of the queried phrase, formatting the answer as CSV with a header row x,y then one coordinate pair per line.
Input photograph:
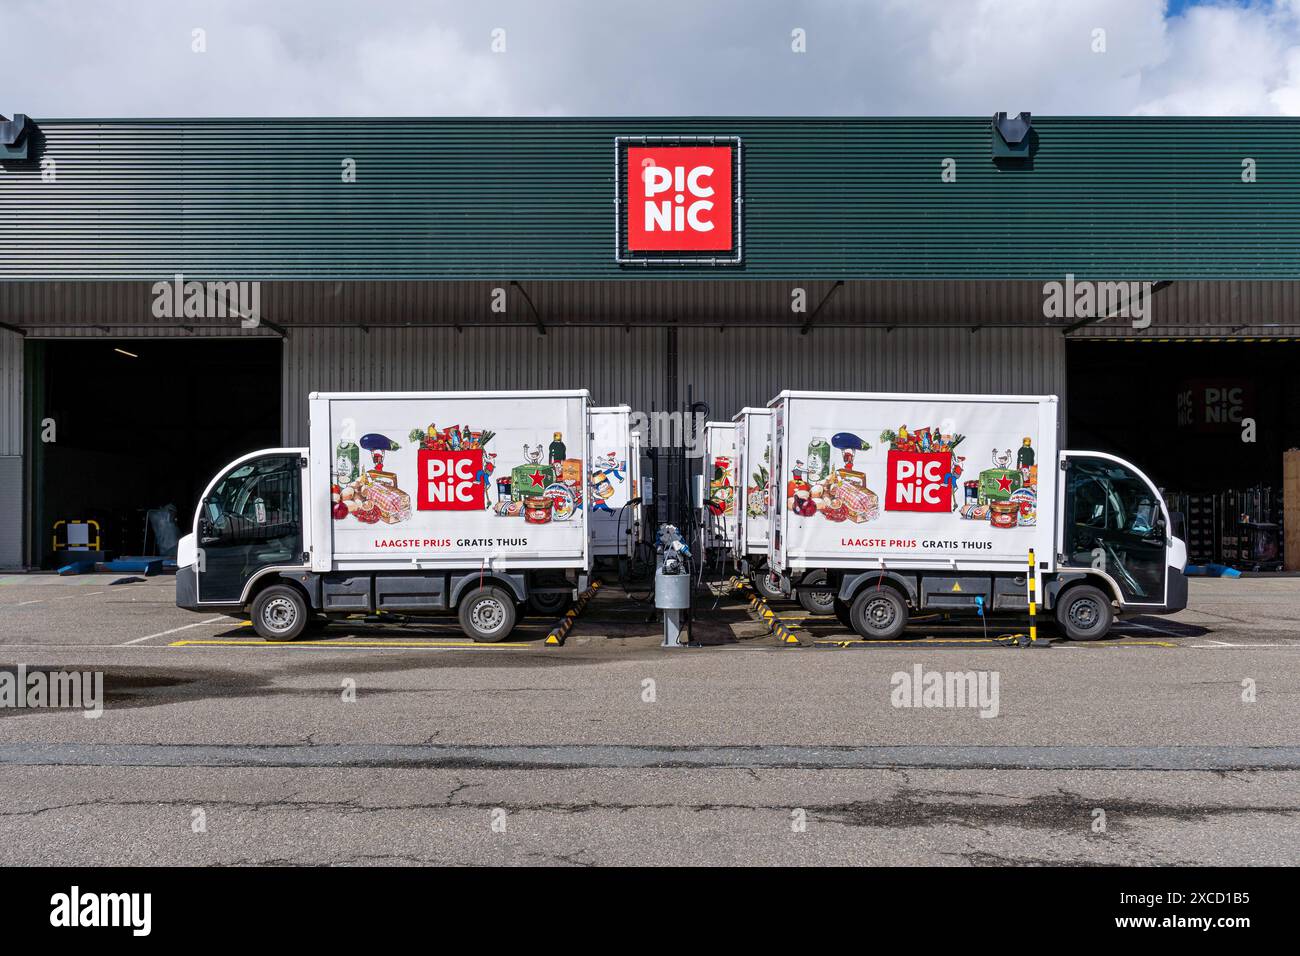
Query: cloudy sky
x,y
84,58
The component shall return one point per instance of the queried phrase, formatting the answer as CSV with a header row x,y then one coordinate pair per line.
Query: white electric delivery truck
x,y
917,503
409,502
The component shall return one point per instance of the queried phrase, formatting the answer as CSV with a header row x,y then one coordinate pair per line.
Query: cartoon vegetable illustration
x,y
377,445
848,443
848,440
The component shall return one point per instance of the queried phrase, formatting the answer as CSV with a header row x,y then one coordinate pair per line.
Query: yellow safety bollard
x,y
1033,597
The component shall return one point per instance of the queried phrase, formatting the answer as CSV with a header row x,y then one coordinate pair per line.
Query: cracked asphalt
x,y
402,745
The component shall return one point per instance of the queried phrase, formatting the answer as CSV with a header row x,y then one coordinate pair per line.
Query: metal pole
x,y
1033,597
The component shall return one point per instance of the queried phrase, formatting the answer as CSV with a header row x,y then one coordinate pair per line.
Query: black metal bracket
x,y
541,326
808,322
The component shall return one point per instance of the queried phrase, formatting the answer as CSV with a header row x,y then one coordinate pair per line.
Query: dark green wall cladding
x,y
514,199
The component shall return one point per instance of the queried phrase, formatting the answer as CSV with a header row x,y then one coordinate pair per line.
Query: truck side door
x,y
251,519
1114,521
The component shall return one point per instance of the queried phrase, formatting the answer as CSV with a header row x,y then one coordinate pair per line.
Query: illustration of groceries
x,y
860,503
392,502
530,479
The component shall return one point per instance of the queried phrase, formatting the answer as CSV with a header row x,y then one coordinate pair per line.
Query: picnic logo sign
x,y
916,482
449,481
677,200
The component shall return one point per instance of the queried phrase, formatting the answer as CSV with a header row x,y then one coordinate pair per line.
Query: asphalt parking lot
x,y
1174,742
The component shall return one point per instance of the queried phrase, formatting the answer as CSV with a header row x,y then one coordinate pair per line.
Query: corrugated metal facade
x,y
57,309
11,512
748,366
854,198
616,366
11,393
729,370
11,450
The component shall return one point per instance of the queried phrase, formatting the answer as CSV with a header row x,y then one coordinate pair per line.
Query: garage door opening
x,y
138,424
1209,422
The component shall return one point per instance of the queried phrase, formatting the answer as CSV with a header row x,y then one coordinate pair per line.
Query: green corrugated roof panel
x,y
1158,198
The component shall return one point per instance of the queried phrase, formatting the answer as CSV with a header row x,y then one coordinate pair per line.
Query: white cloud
x,y
595,57
1227,60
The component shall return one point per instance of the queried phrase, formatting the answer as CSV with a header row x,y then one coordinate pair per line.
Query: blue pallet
x,y
145,566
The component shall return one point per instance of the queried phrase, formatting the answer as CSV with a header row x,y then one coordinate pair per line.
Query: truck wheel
x,y
280,613
879,614
487,615
548,604
842,613
815,602
763,585
1084,613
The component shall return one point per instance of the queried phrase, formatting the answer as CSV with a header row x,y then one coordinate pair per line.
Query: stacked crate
x,y
1200,524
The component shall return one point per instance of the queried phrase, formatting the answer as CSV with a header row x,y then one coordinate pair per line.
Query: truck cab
x,y
249,525
1117,550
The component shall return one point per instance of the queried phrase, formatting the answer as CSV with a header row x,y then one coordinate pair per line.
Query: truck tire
x,y
280,613
548,604
879,614
1084,613
815,602
487,614
763,585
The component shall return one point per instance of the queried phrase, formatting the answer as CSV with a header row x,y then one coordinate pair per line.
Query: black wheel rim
x,y
1085,614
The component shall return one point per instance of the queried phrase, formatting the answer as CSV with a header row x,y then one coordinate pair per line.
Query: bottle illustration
x,y
818,460
347,459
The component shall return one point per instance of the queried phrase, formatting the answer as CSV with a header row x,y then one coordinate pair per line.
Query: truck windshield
x,y
257,498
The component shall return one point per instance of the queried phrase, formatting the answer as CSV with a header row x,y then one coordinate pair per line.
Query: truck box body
x,y
946,482
614,471
722,485
753,451
451,479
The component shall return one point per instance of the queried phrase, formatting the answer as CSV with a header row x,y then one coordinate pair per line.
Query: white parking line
x,y
185,627
1219,645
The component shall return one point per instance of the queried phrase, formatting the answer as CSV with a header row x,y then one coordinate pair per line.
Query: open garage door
x,y
1208,421
140,424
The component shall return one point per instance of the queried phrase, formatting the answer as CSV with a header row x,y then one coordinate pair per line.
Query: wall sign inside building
x,y
677,200
1214,405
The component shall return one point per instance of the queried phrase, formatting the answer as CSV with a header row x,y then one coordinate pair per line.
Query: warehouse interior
x,y
1209,421
139,424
